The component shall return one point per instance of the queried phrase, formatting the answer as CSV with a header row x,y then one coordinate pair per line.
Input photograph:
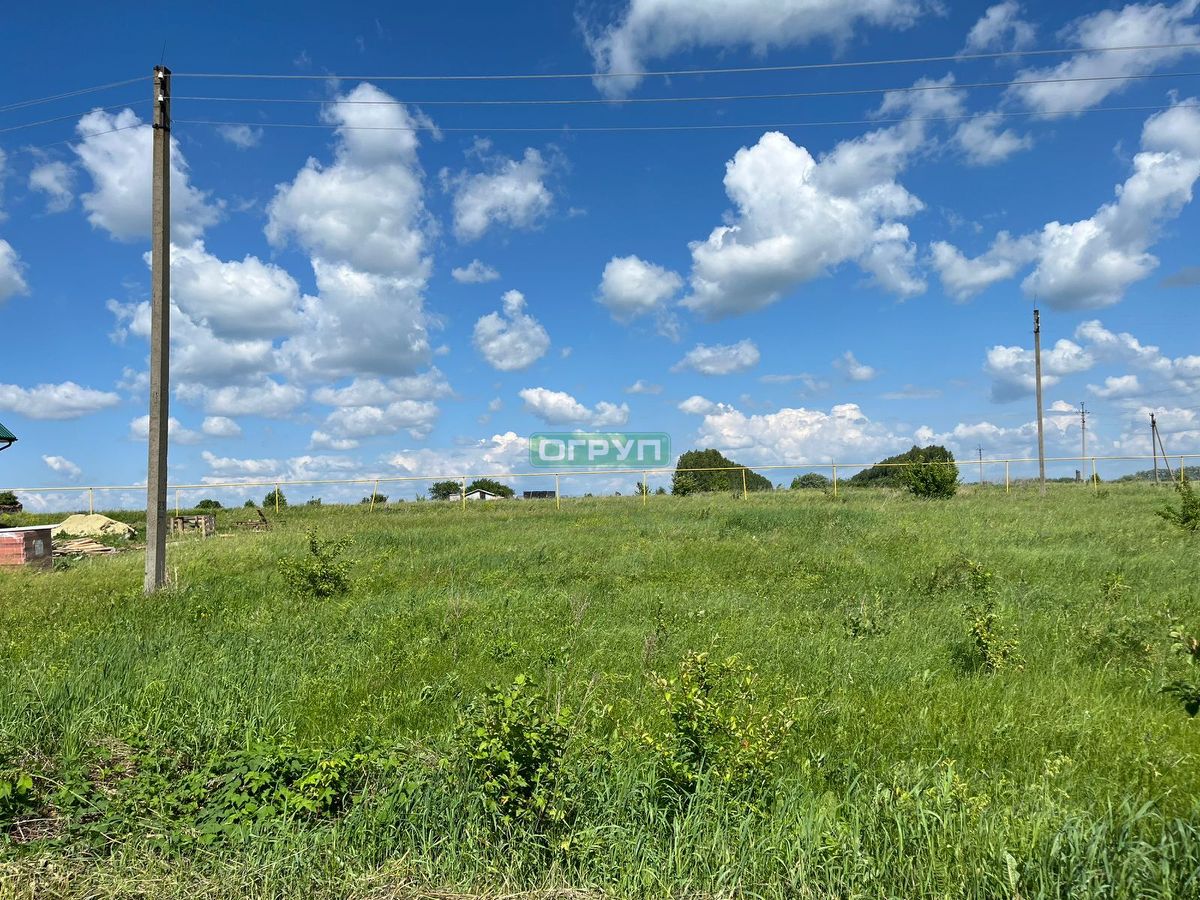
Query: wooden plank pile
x,y
81,547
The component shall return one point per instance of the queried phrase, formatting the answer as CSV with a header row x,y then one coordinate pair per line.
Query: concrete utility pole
x,y
160,335
1082,436
1154,445
1037,364
980,448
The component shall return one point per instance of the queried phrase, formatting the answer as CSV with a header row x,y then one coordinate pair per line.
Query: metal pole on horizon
x,y
1154,445
1082,434
1037,364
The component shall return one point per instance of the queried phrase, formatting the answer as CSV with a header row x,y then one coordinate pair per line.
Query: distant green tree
x,y
377,498
690,476
208,504
9,502
488,484
661,490
313,501
889,472
269,500
444,490
249,504
811,481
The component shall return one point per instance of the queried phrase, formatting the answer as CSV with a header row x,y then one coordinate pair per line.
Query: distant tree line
x,y
689,477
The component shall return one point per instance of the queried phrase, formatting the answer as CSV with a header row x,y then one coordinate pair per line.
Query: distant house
x,y
7,438
481,494
538,495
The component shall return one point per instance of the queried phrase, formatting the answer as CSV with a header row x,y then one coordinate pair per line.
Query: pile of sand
x,y
93,526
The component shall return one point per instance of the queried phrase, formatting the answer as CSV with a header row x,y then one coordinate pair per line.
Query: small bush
x,y
376,498
1187,516
719,727
514,744
269,500
684,484
992,650
18,797
811,481
1186,690
865,620
320,573
936,480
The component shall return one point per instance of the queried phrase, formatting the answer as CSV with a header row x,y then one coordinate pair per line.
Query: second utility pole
x,y
1037,363
1083,437
160,335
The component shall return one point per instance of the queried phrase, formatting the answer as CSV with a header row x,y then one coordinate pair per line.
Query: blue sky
x,y
404,288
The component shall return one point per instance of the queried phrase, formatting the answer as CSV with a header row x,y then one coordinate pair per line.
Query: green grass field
x,y
230,738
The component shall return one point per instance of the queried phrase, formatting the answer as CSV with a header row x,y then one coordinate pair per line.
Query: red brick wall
x,y
27,548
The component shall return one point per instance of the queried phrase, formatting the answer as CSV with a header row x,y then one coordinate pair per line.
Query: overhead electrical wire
x,y
76,115
88,90
333,126
720,98
537,76
90,135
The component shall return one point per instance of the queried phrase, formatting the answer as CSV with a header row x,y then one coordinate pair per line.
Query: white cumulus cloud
x,y
655,29
221,426
63,466
1000,28
476,272
56,180
855,370
1092,262
114,149
560,408
12,272
508,192
363,221
720,359
67,400
631,287
511,340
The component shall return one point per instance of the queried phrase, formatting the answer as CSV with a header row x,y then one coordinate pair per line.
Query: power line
x,y
88,90
958,57
90,134
593,101
707,127
78,115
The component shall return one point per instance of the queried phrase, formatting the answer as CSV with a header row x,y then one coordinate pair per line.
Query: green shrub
x,y
9,502
811,481
719,727
320,573
513,744
1187,689
889,472
1187,516
993,650
935,480
249,504
377,498
269,500
18,797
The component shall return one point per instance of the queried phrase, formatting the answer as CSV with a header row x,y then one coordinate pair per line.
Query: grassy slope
x,y
896,741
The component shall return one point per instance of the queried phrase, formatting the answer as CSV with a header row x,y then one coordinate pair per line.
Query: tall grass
x,y
909,771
